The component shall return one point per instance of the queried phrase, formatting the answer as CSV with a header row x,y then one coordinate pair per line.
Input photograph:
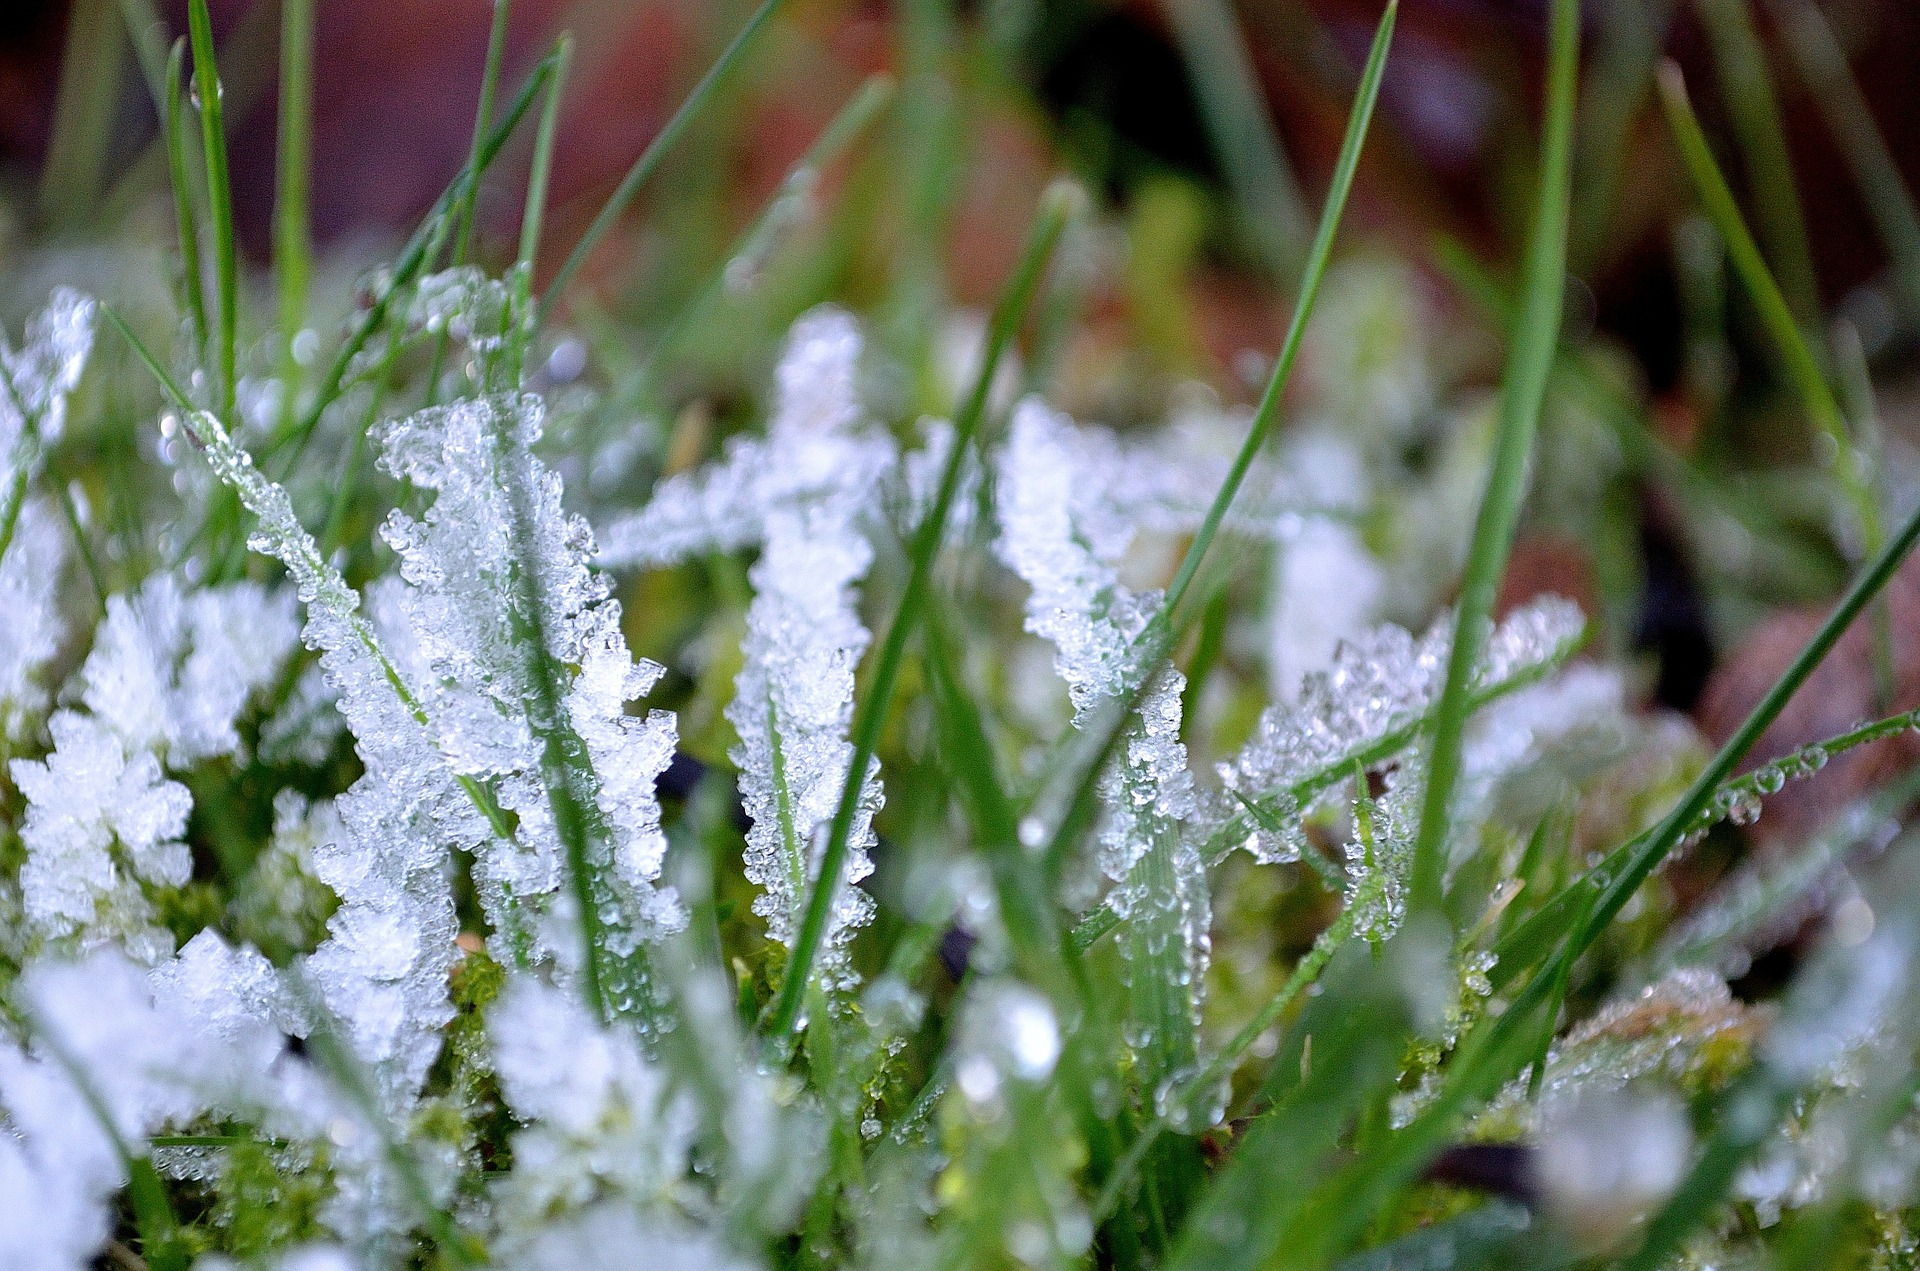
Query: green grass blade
x,y
1799,361
463,207
413,259
1822,63
755,241
1059,204
1747,90
83,115
1536,336
534,215
226,248
292,245
1268,414
651,158
192,273
1234,109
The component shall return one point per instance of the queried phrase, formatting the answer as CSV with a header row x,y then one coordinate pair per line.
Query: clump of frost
x,y
30,568
598,1116
101,821
1063,532
171,670
1377,686
804,494
117,1055
38,378
495,567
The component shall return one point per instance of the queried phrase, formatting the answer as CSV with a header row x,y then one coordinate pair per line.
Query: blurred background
x,y
1688,504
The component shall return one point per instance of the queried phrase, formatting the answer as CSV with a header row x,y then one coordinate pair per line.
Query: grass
x,y
985,1079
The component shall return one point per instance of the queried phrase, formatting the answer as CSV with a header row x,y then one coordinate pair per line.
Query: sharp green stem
x,y
1535,338
1318,256
292,248
1058,205
1802,366
192,282
213,144
650,159
532,220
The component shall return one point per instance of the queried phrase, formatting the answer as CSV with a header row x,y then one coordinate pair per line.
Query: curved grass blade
x,y
1536,336
1799,361
226,249
651,158
292,237
1059,204
1747,89
1267,415
1823,64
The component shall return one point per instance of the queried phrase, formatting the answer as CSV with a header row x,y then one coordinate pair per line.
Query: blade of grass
x,y
1631,33
1268,413
463,207
1645,449
1245,140
235,461
1798,358
534,213
1747,90
423,244
860,113
1823,65
192,274
1060,203
292,248
226,252
1155,641
1301,793
1535,337
1499,1046
83,113
651,158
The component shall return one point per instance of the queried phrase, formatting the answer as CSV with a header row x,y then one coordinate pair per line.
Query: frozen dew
x,y
30,573
1607,1158
1009,1033
42,373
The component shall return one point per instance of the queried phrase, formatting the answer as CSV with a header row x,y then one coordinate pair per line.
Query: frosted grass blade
x,y
1058,205
1535,338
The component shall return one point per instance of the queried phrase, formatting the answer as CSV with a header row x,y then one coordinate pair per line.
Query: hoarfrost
x,y
29,592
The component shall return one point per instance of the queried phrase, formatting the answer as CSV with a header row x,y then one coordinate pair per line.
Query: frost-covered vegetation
x,y
457,813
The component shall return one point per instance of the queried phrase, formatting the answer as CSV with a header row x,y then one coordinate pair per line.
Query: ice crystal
x,y
101,821
470,633
598,1115
171,670
1378,685
1327,590
383,970
30,570
1064,533
814,454
802,493
117,1056
39,377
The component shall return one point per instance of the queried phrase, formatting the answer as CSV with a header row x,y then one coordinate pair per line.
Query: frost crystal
x,y
470,631
1062,531
39,377
101,821
172,671
1376,686
383,970
598,1115
29,584
813,455
801,493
